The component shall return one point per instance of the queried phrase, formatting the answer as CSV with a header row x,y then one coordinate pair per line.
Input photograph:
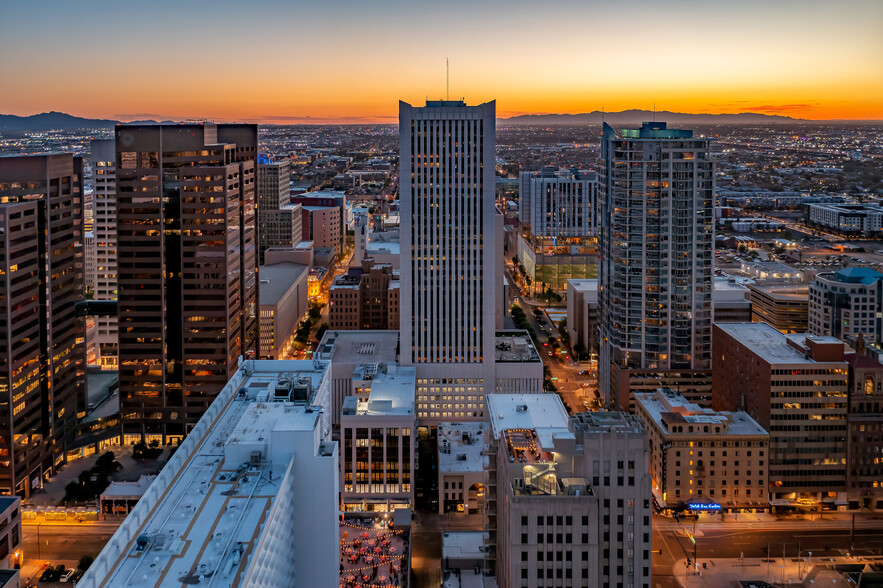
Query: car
x,y
47,574
77,575
57,571
66,575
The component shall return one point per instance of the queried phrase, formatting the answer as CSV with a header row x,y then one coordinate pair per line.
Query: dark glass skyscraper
x,y
187,252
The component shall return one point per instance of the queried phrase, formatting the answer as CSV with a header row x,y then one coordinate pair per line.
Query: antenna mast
x,y
447,79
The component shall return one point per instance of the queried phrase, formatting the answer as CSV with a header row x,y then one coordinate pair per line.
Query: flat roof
x,y
7,501
97,383
212,499
770,344
277,280
669,406
544,413
392,392
460,446
514,346
785,292
589,288
355,347
463,544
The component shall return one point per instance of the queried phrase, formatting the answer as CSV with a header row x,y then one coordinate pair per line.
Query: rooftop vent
x,y
521,408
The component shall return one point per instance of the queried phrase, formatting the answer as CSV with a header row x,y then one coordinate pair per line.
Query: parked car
x,y
66,576
77,575
47,574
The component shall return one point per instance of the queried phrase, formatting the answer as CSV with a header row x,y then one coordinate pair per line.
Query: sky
x,y
352,61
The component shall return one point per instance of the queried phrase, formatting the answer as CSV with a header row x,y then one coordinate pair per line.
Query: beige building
x,y
783,306
280,228
568,499
378,442
322,226
701,456
582,316
367,297
283,295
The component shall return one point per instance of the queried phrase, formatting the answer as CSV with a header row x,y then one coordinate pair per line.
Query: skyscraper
x,y
449,261
104,236
657,241
41,340
187,270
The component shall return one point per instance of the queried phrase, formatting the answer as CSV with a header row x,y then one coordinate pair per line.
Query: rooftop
x,y
392,392
463,545
514,346
649,130
460,446
277,279
543,413
665,406
589,288
770,344
355,347
207,510
7,501
783,292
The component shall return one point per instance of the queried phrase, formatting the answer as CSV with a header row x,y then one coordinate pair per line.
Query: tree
x,y
321,331
85,562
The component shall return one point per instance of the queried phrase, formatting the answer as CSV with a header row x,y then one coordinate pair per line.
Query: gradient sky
x,y
351,61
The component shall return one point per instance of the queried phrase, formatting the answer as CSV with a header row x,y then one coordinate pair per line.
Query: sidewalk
x,y
728,572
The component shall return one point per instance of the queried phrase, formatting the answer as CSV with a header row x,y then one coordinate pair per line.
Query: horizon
x,y
350,63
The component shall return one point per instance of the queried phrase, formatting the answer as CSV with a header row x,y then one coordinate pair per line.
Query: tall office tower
x,y
104,236
847,302
42,374
449,264
187,270
559,202
657,241
279,221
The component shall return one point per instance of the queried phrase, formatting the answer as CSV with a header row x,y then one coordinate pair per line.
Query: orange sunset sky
x,y
345,61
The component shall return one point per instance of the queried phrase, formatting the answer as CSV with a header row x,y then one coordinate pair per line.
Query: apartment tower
x,y
448,269
657,241
42,356
187,270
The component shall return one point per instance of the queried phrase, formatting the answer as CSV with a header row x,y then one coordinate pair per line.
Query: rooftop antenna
x,y
447,79
654,112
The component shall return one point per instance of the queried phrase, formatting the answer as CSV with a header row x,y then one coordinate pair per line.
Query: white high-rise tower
x,y
448,268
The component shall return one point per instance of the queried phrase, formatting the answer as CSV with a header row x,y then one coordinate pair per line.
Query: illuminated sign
x,y
703,506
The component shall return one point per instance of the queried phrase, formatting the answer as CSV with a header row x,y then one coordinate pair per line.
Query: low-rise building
x,y
378,442
765,270
700,455
864,474
280,227
847,302
322,226
847,219
223,504
283,304
461,467
782,305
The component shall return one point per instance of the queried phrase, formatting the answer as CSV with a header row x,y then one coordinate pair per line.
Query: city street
x,y
62,543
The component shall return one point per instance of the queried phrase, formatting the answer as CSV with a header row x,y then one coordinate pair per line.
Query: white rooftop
x,y
392,392
463,545
207,513
770,344
544,413
514,346
460,446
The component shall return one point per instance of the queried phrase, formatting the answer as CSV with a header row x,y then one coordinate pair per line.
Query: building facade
x,y
104,223
847,302
795,387
283,299
698,455
559,202
42,352
365,298
582,317
847,219
657,243
449,271
864,473
781,305
187,270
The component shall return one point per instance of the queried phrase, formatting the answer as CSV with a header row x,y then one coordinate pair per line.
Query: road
x,y
753,540
62,543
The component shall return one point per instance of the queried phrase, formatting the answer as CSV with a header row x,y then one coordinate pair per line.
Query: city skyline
x,y
788,59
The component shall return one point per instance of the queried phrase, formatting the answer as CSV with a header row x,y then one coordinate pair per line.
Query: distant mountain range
x,y
51,121
636,117
60,121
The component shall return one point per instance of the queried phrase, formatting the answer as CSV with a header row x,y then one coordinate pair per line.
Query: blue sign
x,y
703,506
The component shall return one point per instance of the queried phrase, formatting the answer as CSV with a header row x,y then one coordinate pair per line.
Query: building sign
x,y
703,506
